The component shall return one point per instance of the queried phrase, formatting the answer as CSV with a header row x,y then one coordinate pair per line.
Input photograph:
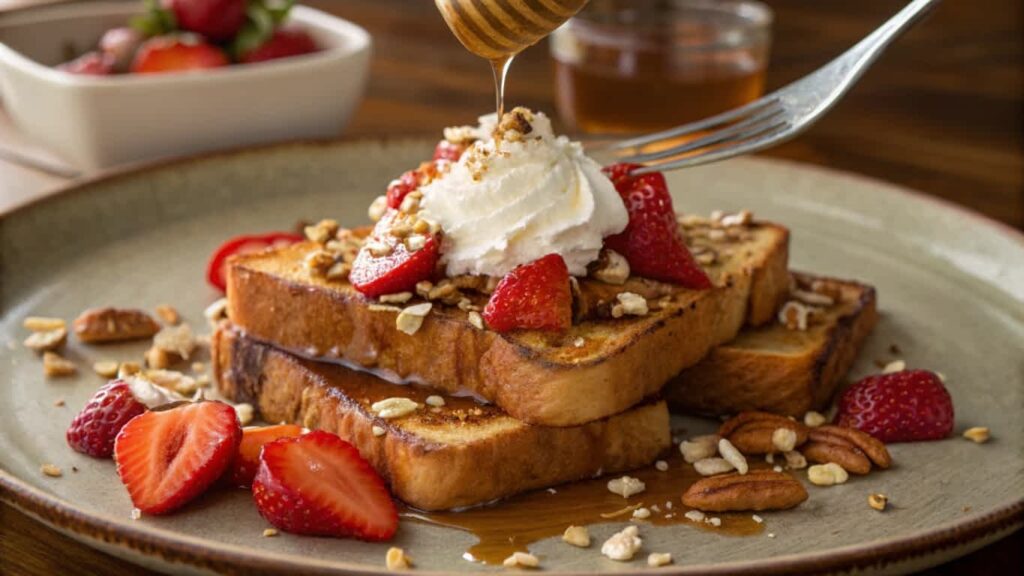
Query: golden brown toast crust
x,y
536,377
778,370
461,454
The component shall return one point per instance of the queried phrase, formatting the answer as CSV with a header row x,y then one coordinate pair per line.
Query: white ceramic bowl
x,y
98,122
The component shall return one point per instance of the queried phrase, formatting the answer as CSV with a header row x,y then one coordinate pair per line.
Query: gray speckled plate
x,y
951,288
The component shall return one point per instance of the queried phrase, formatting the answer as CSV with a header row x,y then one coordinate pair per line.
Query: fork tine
x,y
714,121
732,132
764,138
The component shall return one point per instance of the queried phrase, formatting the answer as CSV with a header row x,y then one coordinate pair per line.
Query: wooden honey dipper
x,y
499,29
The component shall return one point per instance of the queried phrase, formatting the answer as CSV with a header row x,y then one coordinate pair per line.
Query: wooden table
x,y
942,112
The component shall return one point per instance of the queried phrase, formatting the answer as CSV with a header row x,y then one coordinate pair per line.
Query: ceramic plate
x,y
951,288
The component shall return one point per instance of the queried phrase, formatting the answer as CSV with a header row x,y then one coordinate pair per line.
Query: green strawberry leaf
x,y
258,28
155,20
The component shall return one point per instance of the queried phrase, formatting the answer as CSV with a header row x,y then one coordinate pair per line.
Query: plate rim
x,y
166,546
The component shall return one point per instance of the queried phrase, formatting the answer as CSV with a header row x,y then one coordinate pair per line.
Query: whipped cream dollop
x,y
520,193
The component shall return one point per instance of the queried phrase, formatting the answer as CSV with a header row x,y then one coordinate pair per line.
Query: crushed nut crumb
x,y
168,314
712,466
56,366
395,407
814,419
715,521
127,369
579,342
741,218
377,208
614,268
630,304
694,516
622,546
642,513
827,474
577,536
136,513
43,324
733,456
894,366
434,400
878,501
656,559
977,434
410,319
105,368
794,315
322,231
395,559
217,311
523,559
59,402
269,532
784,439
757,519
47,341
476,320
245,413
661,466
176,339
626,486
795,460
699,448
397,298
51,470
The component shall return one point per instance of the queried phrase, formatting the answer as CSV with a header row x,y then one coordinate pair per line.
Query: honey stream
x,y
513,524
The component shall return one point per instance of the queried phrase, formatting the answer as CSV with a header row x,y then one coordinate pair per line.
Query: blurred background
x,y
941,112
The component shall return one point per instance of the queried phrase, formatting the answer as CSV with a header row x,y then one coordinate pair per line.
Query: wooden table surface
x,y
942,112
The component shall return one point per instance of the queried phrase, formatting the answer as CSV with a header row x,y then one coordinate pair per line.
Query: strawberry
x,y
907,406
166,458
445,150
651,242
397,271
218,20
533,296
176,54
400,188
90,64
284,43
243,468
120,45
94,429
319,484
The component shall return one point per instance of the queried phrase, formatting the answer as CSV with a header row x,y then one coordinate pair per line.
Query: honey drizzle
x,y
513,524
500,66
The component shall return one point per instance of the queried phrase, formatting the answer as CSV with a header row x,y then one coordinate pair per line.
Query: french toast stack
x,y
454,414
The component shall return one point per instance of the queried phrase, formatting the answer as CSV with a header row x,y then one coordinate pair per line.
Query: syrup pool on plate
x,y
513,524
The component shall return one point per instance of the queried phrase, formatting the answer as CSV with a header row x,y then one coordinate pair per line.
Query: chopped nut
x,y
444,289
694,516
423,288
245,413
136,514
642,513
579,342
878,501
43,324
177,339
318,262
322,231
395,407
977,434
378,431
168,314
47,341
741,218
733,456
338,271
629,304
777,468
198,367
621,511
784,439
128,369
577,536
383,308
524,559
269,532
699,448
396,559
827,474
715,521
51,470
217,311
622,546
410,319
814,419
712,466
411,203
56,366
794,315
614,268
795,460
377,208
173,380
377,248
159,358
398,298
415,242
894,366
656,559
476,319
626,486
59,402
400,229
114,325
770,458
661,466
813,298
434,400
757,519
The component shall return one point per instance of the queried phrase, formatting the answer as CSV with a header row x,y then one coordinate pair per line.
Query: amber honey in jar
x,y
633,66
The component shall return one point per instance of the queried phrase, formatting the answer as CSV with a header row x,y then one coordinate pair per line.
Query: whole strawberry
x,y
284,43
218,20
94,429
907,406
651,242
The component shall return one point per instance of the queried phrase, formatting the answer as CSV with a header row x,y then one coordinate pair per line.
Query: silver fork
x,y
773,118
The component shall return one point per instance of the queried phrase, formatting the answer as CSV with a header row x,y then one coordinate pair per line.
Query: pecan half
x,y
114,325
751,432
757,490
852,449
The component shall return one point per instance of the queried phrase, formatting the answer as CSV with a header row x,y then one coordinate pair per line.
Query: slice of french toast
x,y
783,369
600,367
437,457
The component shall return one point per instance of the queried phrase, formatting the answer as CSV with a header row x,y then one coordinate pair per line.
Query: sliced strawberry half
x,y
95,428
247,461
396,271
319,484
446,150
905,406
166,458
216,269
534,296
651,242
400,188
177,54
